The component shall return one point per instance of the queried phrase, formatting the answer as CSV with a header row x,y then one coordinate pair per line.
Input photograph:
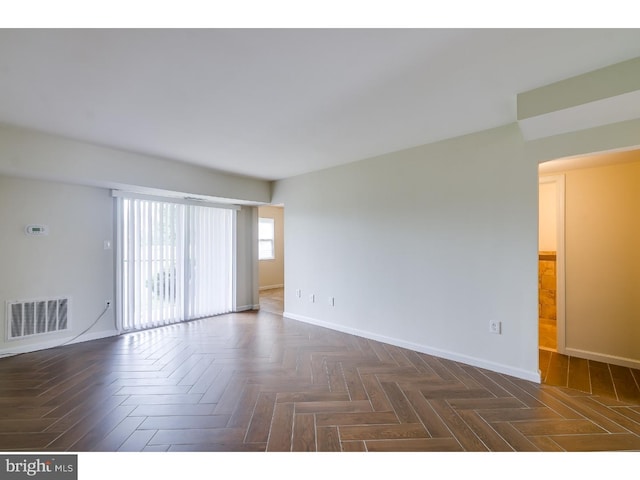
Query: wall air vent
x,y
37,317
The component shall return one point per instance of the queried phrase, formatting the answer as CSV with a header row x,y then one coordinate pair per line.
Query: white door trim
x,y
559,181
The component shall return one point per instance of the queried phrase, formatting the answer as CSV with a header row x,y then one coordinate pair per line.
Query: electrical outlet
x,y
312,298
495,327
298,293
332,301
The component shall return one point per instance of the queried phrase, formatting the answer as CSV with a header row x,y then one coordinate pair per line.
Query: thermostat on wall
x,y
36,230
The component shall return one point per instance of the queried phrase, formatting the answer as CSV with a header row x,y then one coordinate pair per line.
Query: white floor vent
x,y
37,317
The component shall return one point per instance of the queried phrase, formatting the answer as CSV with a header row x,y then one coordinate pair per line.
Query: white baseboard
x,y
271,287
244,308
35,347
601,357
456,357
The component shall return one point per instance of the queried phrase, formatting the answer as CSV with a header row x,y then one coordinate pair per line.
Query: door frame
x,y
559,181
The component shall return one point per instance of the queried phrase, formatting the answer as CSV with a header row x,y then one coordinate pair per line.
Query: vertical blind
x,y
175,262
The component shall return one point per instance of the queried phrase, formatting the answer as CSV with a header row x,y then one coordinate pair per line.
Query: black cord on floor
x,y
10,354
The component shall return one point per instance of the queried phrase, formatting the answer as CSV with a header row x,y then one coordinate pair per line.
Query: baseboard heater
x,y
28,318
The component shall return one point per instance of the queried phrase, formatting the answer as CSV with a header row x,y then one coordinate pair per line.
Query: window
x,y
175,262
266,239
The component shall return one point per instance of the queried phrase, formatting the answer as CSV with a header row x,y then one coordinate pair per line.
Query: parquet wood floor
x,y
256,381
272,300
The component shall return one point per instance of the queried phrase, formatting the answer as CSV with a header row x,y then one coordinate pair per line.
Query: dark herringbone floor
x,y
261,382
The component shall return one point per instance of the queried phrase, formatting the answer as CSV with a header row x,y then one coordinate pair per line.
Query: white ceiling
x,y
274,103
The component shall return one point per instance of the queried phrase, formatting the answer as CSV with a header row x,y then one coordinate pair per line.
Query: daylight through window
x,y
266,240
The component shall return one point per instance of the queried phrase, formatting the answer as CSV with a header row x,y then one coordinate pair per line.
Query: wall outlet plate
x,y
495,327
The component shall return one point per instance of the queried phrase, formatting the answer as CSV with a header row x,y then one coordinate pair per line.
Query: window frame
x,y
271,240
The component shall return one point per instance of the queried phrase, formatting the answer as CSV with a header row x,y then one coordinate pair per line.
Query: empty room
x,y
150,178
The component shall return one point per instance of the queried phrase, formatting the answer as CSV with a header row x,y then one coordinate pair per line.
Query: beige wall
x,y
271,272
602,231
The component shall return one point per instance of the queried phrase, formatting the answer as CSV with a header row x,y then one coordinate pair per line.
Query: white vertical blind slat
x,y
176,262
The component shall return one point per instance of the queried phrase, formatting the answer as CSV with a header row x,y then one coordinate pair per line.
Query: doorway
x,y
595,330
551,254
271,258
595,211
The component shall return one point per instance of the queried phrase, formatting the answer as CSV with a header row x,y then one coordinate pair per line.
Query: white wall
x,y
27,153
547,234
247,296
271,272
71,260
421,248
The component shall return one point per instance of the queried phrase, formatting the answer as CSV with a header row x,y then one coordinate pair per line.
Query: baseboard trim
x,y
604,358
436,352
271,287
245,308
17,350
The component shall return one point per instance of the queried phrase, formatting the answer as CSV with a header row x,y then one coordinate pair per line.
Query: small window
x,y
266,239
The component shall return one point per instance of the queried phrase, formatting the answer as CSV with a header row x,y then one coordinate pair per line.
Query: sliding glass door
x,y
175,261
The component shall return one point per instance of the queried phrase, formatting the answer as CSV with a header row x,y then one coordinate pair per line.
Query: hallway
x,y
272,300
